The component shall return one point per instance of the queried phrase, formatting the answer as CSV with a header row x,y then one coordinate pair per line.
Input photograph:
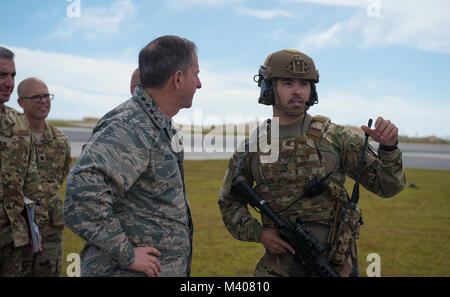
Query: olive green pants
x,y
48,262
11,260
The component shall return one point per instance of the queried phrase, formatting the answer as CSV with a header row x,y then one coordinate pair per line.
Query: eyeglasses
x,y
38,98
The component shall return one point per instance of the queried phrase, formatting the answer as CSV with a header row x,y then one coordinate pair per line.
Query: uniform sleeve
x,y
67,161
107,168
383,171
33,190
238,220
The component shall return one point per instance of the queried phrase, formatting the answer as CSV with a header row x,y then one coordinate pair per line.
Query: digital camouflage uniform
x,y
301,158
53,162
127,190
19,178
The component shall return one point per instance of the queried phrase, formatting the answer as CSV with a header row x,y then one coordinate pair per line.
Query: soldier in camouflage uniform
x,y
18,179
53,163
126,194
309,147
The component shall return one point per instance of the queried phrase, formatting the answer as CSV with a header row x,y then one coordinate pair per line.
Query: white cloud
x,y
82,86
419,24
74,72
265,14
96,21
91,87
88,87
231,94
329,37
353,3
184,4
411,118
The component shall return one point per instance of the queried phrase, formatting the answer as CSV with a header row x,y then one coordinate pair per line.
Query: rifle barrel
x,y
355,193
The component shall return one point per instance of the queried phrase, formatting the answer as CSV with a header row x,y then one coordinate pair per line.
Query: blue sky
x,y
375,57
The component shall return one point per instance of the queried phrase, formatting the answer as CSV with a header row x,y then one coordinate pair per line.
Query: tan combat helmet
x,y
290,64
286,64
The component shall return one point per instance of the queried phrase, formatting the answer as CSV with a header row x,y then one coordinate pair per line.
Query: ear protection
x,y
267,96
314,97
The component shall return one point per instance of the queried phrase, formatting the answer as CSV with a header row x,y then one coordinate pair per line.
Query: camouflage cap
x,y
290,63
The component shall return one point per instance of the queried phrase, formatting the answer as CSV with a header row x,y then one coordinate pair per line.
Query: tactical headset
x,y
267,96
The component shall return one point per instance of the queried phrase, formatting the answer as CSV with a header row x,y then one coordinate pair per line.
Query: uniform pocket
x,y
5,227
168,184
55,214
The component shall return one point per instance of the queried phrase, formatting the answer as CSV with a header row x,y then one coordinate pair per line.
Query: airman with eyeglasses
x,y
38,98
35,99
53,164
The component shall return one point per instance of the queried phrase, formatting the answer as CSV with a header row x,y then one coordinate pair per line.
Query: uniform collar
x,y
151,108
6,120
48,135
299,127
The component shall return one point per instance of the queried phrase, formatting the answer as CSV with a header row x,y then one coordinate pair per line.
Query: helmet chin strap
x,y
290,111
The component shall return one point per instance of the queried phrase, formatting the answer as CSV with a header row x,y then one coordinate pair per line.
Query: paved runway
x,y
415,155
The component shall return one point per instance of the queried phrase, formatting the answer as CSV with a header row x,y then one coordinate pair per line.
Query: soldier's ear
x,y
20,101
177,79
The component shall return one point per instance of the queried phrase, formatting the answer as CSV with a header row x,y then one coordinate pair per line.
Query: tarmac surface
x,y
198,147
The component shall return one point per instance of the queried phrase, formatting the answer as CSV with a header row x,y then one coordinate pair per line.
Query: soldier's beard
x,y
289,111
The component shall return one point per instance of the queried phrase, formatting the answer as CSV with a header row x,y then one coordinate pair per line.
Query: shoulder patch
x,y
317,127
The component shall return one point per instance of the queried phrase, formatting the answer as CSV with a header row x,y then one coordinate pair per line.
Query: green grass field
x,y
410,232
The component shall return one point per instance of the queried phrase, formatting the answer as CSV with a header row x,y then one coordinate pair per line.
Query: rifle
x,y
348,220
355,193
308,250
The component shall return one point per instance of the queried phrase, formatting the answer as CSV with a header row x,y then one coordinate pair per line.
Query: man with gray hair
x,y
126,195
18,178
7,75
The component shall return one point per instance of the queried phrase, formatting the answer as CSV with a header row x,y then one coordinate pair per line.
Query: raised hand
x,y
385,132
